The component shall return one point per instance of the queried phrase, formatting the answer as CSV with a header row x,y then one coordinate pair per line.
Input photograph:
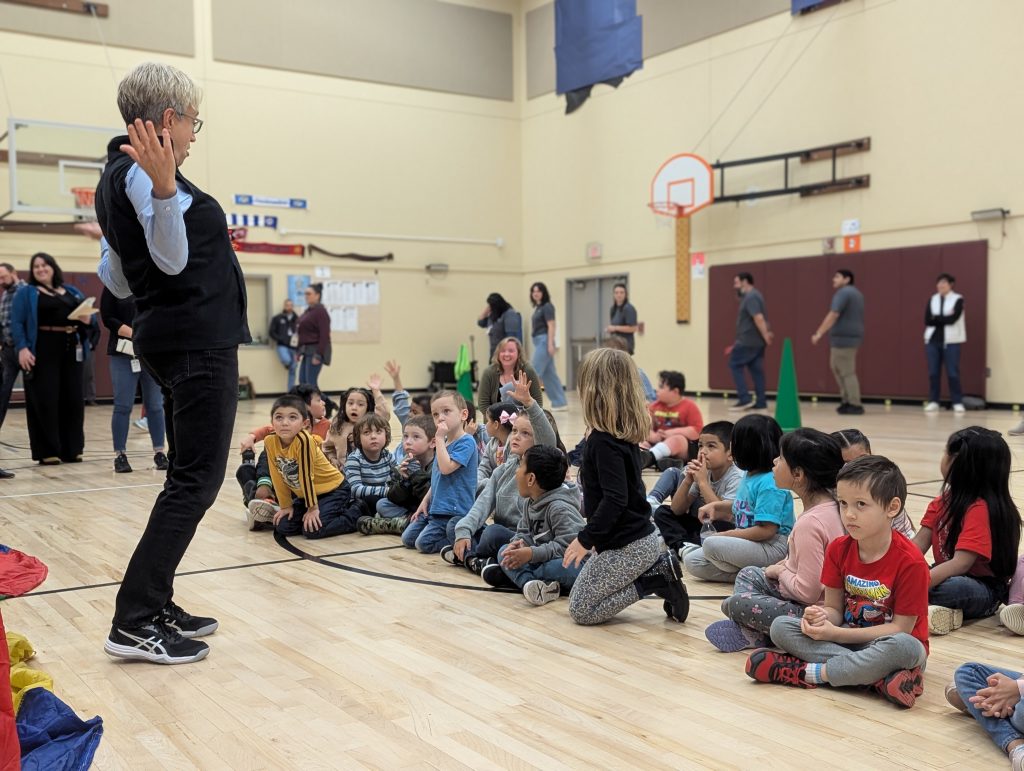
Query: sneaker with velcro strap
x,y
155,642
185,623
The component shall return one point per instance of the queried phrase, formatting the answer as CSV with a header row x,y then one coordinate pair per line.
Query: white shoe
x,y
260,513
563,408
1017,758
943,620
541,592
1017,430
1012,617
959,409
931,407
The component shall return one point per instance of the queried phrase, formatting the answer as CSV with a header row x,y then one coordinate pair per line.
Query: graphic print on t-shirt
x,y
867,602
289,468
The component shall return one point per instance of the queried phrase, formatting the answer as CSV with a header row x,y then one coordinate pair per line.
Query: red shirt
x,y
975,536
875,592
685,413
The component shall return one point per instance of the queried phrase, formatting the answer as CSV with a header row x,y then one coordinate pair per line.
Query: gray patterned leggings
x,y
756,601
605,585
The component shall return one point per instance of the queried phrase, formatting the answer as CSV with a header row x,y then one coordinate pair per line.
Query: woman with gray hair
x,y
166,242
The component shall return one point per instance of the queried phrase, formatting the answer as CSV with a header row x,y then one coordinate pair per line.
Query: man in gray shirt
x,y
844,323
752,335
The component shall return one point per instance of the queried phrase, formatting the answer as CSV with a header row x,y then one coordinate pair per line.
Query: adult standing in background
x,y
50,353
126,373
543,336
622,317
314,331
9,284
844,323
166,242
283,331
945,330
752,336
500,320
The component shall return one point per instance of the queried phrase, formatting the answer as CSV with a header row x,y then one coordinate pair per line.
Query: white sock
x,y
660,450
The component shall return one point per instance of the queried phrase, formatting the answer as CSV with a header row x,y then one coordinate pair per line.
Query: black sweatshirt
x,y
614,497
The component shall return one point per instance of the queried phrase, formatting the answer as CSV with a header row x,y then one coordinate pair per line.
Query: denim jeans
x,y
389,510
551,570
975,598
544,364
200,391
972,677
289,360
950,356
309,372
125,382
666,485
752,358
428,534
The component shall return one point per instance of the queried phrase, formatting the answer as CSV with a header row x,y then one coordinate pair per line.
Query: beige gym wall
x,y
369,158
935,86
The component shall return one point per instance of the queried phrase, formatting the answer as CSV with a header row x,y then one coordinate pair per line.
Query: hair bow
x,y
507,417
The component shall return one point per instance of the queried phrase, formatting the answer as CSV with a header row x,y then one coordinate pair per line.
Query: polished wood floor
x,y
368,655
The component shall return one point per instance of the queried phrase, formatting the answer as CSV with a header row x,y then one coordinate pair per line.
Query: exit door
x,y
589,303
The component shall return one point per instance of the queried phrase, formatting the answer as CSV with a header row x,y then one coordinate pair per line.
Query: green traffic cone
x,y
787,401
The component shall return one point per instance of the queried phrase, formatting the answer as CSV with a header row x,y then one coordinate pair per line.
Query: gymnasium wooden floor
x,y
358,653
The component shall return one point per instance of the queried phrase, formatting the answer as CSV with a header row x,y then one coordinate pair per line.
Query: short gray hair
x,y
151,88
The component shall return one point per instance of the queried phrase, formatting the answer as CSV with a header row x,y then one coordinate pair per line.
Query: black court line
x,y
288,546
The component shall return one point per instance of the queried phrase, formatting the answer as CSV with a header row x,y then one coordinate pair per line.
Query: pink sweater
x,y
800,579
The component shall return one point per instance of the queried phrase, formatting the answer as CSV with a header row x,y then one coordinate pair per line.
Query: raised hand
x,y
374,382
521,392
154,158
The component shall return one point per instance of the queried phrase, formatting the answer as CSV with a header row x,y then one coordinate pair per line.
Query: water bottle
x,y
707,529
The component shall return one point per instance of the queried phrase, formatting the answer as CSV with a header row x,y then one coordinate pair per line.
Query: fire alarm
x,y
594,251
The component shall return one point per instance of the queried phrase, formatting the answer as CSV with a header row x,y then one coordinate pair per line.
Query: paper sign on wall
x,y
851,244
850,227
697,264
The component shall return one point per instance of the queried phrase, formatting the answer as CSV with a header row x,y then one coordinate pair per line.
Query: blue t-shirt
x,y
453,494
759,501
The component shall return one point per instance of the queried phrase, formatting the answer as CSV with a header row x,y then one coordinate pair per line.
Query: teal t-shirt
x,y
759,501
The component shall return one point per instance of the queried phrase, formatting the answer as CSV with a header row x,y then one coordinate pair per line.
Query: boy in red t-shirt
x,y
675,423
873,628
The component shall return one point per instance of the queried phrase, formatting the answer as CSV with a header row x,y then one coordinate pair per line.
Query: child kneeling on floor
x,y
552,520
313,494
873,629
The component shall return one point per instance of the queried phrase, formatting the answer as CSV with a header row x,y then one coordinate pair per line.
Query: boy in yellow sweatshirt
x,y
314,496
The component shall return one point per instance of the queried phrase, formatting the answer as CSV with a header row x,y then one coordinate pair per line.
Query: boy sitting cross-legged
x,y
873,628
409,483
533,560
313,494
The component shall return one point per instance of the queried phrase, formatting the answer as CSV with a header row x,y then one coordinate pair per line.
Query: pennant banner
x,y
254,246
252,220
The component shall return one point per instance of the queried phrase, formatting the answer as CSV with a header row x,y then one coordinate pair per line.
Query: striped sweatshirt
x,y
367,478
300,470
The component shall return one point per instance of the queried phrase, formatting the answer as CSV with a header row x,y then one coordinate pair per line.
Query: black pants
x,y
54,405
248,475
9,363
339,513
679,530
200,391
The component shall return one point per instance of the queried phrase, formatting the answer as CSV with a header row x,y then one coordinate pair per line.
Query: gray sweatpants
x,y
722,557
756,602
851,664
605,585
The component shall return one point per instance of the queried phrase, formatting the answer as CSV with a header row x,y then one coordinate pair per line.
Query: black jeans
x,y
200,391
9,363
54,407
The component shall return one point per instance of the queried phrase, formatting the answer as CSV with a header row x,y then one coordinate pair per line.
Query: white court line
x,y
83,490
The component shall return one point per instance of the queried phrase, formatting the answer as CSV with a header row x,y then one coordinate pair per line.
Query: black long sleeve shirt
x,y
614,497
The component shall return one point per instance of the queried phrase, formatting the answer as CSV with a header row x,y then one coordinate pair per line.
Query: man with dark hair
x,y
945,330
9,284
844,323
752,336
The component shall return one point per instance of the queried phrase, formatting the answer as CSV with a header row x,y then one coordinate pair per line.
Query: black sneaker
x,y
249,456
154,642
842,408
493,575
121,464
646,459
160,461
185,623
448,555
853,409
677,601
475,565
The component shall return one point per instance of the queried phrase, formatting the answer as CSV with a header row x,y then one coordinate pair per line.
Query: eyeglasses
x,y
197,124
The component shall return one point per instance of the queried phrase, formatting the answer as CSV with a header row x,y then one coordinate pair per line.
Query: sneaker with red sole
x,y
902,687
768,666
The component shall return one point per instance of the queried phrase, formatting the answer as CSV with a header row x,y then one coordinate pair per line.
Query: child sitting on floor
x,y
500,417
675,424
552,520
973,529
873,628
710,477
453,479
992,696
314,495
355,403
808,463
761,512
1012,616
854,444
410,480
369,466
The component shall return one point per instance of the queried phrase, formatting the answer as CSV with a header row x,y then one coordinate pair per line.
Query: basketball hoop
x,y
684,184
666,209
85,197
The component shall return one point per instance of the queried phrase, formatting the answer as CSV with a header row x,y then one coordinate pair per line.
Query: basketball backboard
x,y
46,161
684,184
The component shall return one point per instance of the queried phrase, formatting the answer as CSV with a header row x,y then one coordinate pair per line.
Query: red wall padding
x,y
896,283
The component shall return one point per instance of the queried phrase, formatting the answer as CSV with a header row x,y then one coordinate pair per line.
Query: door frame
x,y
570,369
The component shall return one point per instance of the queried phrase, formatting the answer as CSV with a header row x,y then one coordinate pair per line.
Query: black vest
x,y
204,306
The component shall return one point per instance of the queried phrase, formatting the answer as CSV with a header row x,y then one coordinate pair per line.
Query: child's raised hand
x,y
521,392
374,382
392,368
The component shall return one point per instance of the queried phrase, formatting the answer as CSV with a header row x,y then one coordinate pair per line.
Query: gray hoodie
x,y
551,522
500,496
